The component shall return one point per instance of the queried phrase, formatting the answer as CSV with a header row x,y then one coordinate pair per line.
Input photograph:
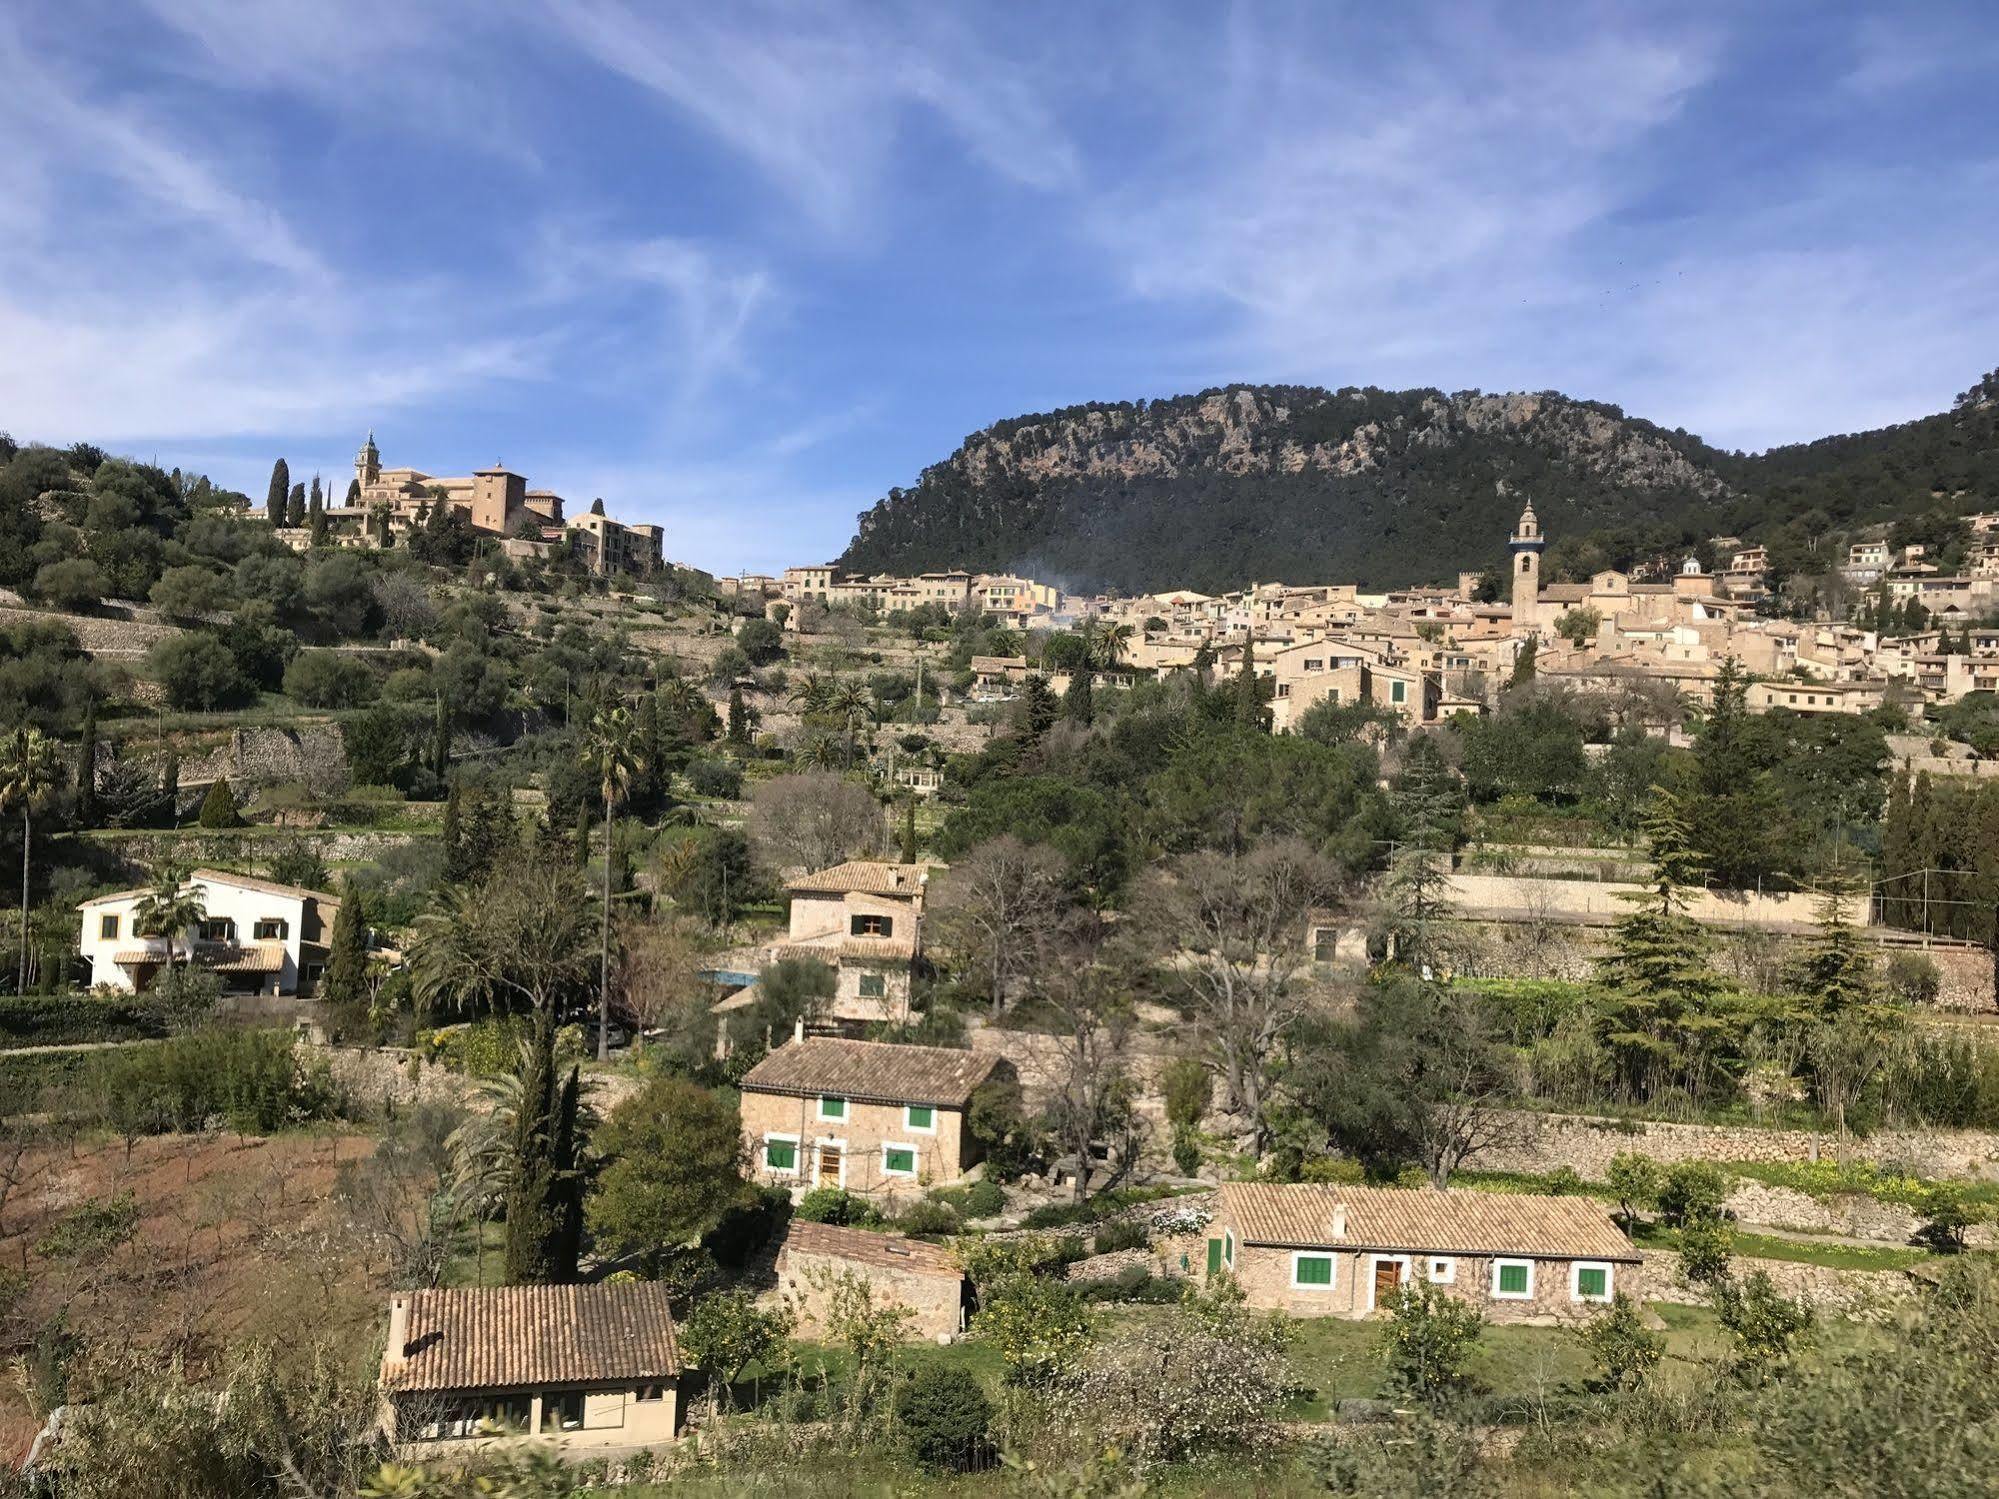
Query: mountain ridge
x,y
1243,483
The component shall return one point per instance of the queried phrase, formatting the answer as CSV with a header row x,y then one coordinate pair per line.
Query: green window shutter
x,y
922,1117
1214,1256
833,1108
897,1159
1315,1270
780,1155
1590,1282
873,986
1513,1279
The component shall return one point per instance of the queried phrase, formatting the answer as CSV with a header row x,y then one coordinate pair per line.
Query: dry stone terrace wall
x,y
1544,1141
1867,1295
101,635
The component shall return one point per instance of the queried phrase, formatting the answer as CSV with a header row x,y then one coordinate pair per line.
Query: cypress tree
x,y
909,828
533,1228
279,493
347,957
315,501
353,493
440,742
86,766
1523,664
1038,708
1248,702
218,808
1079,702
582,843
453,839
295,508
170,787
739,717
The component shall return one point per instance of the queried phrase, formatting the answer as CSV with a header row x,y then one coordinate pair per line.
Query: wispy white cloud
x,y
815,95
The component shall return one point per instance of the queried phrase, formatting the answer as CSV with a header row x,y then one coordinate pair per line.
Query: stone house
x,y
1341,1251
925,1278
258,937
589,1369
869,1116
864,920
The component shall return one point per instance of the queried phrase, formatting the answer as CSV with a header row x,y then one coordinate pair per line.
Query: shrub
x,y
1635,1179
329,679
1428,1342
197,671
1039,1326
218,808
1137,1285
1691,1191
838,1206
930,1217
1189,1088
943,1415
1126,1233
1564,1181
75,584
1913,978
252,1079
1186,1150
1623,1349
722,779
1765,1327
186,593
1946,1213
68,1019
981,1199
1706,1247
760,641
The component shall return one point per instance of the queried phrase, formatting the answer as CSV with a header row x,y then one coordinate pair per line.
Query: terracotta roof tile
x,y
883,1251
864,876
872,1071
1445,1222
511,1337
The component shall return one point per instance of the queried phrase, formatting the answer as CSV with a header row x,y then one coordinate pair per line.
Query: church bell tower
x,y
1526,544
368,465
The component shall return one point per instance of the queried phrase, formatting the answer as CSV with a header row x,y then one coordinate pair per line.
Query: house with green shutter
x,y
1326,1250
869,1116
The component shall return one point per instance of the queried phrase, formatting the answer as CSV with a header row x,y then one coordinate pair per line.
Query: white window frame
x,y
1398,692
915,1159
1441,1270
1499,1295
919,1129
1374,1262
846,1156
1330,1256
1228,1247
1576,1268
846,1108
797,1154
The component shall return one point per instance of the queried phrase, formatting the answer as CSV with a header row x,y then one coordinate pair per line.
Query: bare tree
x,y
993,906
1235,930
1091,1090
1462,1098
659,971
814,820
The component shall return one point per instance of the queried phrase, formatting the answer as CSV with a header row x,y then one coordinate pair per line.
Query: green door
x,y
1214,1256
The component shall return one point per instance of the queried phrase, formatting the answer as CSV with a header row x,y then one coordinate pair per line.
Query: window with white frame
x,y
832,1108
898,1159
1228,1247
781,1154
920,1117
1311,1271
1442,1270
1589,1280
1512,1280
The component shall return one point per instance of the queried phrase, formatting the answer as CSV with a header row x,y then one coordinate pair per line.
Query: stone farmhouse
x,y
865,921
258,937
923,1278
589,1370
869,1116
1340,1251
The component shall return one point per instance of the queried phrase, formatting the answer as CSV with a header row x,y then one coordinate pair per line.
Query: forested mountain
x,y
1299,484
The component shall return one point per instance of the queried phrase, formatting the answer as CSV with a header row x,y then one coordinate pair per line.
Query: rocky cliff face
x,y
1288,482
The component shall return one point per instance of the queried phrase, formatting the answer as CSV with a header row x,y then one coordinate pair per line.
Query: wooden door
x,y
829,1165
1387,1277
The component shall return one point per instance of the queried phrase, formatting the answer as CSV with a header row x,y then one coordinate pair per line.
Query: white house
x,y
259,937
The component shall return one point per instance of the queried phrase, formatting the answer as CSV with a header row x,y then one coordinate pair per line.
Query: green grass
x,y
1833,1254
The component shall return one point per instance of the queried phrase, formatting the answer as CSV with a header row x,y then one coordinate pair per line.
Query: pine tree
x,y
1429,803
279,493
86,766
1079,702
218,808
1038,708
347,956
1835,973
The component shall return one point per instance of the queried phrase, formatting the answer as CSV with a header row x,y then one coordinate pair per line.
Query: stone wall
x,y
1868,1295
314,753
1544,1141
109,636
1600,899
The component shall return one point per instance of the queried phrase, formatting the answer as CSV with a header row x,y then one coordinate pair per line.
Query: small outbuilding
x,y
591,1369
925,1278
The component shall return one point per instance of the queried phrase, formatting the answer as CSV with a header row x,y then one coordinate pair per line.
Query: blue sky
x,y
739,268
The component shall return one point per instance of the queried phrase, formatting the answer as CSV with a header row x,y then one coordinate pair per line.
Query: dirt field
x,y
227,1237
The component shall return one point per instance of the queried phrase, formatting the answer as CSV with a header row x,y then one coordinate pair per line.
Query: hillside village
x,y
495,1001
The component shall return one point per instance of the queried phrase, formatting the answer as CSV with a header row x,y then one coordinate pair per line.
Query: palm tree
x,y
812,691
30,771
171,906
852,701
679,699
611,754
1110,643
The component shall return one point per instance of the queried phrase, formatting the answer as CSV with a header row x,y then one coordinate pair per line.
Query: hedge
x,y
74,1019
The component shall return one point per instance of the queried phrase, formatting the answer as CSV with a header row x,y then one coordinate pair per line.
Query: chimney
x,y
1339,1220
798,1029
399,1329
